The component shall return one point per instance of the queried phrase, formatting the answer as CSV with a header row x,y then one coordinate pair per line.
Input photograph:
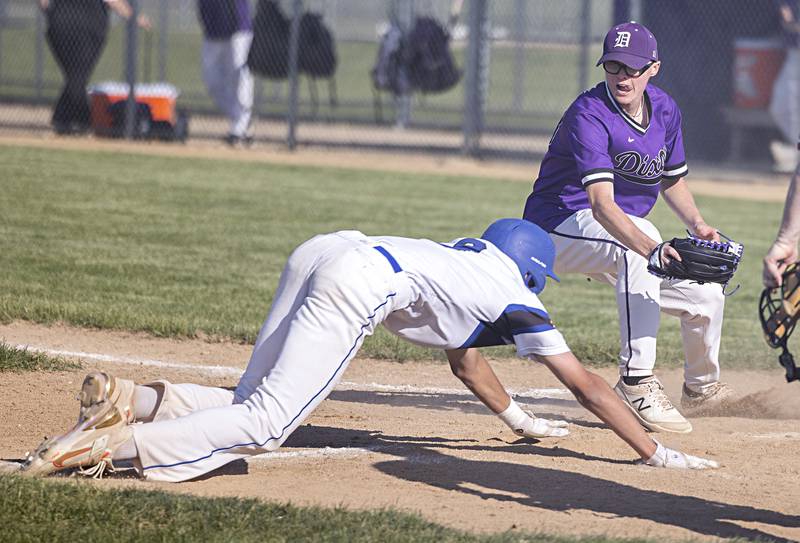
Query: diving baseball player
x,y
335,289
615,149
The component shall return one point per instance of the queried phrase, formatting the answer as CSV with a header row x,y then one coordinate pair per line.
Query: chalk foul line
x,y
222,370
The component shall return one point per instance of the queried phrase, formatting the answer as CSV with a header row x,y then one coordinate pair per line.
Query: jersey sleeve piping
x,y
678,170
596,175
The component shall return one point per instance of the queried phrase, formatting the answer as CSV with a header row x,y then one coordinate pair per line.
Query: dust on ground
x,y
430,448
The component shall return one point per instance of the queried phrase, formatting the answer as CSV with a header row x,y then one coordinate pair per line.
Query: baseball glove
x,y
702,260
779,310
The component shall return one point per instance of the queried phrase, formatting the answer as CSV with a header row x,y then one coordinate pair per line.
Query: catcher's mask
x,y
528,246
779,310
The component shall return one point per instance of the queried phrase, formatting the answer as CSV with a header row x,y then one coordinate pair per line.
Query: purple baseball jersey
x,y
596,141
222,19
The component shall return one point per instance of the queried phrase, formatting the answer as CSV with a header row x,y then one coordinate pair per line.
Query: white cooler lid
x,y
165,90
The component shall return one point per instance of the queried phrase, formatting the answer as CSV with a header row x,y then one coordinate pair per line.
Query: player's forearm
x,y
606,211
475,372
681,202
619,225
593,393
598,398
789,232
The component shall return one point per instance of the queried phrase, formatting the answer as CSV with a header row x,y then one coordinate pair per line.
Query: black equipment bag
x,y
427,57
317,54
269,52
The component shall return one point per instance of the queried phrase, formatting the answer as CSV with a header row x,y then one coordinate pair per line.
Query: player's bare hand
x,y
143,22
668,253
704,231
779,257
538,427
674,459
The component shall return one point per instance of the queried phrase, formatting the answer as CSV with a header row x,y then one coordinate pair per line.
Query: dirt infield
x,y
409,436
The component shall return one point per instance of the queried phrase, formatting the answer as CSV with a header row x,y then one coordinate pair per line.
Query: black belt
x,y
395,266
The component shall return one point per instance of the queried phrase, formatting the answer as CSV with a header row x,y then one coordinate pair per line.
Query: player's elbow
x,y
602,210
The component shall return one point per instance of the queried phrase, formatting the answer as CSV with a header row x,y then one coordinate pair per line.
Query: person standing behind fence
x,y
228,33
76,34
785,103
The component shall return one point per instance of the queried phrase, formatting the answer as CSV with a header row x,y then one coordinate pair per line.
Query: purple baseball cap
x,y
631,44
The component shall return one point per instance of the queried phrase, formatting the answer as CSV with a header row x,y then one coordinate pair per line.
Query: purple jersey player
x,y
615,149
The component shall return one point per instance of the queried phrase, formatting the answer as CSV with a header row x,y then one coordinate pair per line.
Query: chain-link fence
x,y
377,73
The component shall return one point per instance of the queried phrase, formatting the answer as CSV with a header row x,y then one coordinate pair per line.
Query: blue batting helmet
x,y
528,246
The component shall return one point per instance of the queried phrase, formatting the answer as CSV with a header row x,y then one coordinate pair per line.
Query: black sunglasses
x,y
613,67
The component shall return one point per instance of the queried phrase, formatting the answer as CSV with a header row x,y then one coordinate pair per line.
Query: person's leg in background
x,y
215,59
240,93
76,40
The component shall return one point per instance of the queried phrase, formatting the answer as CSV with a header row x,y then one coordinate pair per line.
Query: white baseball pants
x,y
785,102
229,80
334,291
584,246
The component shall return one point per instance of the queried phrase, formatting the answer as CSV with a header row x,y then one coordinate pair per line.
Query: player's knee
x,y
708,300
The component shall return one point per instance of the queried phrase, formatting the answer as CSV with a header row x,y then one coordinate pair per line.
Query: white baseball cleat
x,y
99,387
712,398
648,402
103,425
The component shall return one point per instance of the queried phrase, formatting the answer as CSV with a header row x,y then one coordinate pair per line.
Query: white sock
x,y
514,417
145,402
126,451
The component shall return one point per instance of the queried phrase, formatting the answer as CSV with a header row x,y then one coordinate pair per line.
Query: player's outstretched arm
x,y
476,373
783,251
595,395
680,200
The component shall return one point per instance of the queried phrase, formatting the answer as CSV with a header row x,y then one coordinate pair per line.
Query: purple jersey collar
x,y
628,119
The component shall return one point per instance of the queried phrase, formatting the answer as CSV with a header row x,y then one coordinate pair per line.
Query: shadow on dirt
x,y
425,460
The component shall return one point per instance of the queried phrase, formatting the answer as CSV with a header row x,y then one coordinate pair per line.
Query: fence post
x,y
163,28
131,62
38,61
586,44
294,80
476,76
401,13
2,26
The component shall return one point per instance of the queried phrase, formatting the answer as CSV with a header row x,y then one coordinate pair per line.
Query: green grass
x,y
13,359
36,510
175,246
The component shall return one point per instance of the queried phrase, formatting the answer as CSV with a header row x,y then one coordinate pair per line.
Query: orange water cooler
x,y
160,98
756,66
